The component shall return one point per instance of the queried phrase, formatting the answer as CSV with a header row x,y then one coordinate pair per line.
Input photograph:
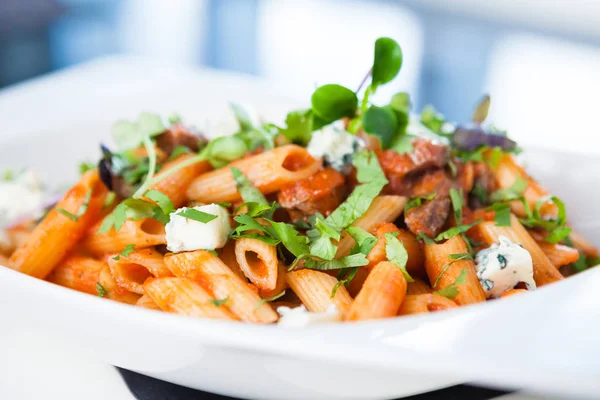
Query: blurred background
x,y
537,58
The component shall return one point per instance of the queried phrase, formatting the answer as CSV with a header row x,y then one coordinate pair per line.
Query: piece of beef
x,y
400,169
323,192
428,218
179,135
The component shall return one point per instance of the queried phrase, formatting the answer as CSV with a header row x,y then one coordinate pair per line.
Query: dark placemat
x,y
145,388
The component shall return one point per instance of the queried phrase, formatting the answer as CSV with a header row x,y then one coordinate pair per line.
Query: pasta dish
x,y
349,211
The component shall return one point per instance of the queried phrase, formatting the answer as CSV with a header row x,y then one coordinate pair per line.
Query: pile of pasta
x,y
237,281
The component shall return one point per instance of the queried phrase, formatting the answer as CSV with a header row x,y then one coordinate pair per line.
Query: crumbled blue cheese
x,y
299,317
335,145
502,266
184,234
20,197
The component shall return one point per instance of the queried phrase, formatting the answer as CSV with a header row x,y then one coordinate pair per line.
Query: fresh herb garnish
x,y
219,302
455,258
162,200
268,300
396,254
100,290
248,192
345,276
456,196
353,260
331,102
82,208
364,240
501,213
86,166
196,215
130,248
451,291
514,192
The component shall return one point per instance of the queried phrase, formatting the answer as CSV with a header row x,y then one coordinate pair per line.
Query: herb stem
x,y
151,169
362,83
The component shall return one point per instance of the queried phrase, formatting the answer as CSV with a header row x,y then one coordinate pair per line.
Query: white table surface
x,y
33,366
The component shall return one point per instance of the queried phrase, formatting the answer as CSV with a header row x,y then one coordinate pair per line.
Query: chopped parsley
x,y
248,192
86,166
514,192
396,254
501,213
451,291
269,300
219,302
454,257
82,208
100,290
417,201
130,248
197,215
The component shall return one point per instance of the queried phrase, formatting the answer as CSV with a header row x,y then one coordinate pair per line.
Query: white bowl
x,y
545,341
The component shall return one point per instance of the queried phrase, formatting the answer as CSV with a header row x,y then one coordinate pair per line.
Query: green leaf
x,y
225,149
332,102
396,254
255,210
454,257
290,238
179,150
481,111
432,119
456,230
150,125
242,116
381,122
364,240
495,157
387,61
299,126
558,234
120,216
67,214
268,300
354,260
151,150
125,135
219,302
248,192
501,213
130,248
368,169
162,200
323,248
456,196
8,175
196,215
417,201
100,290
107,223
511,193
86,166
401,102
451,291
350,273
402,144
424,238
136,209
326,230
359,201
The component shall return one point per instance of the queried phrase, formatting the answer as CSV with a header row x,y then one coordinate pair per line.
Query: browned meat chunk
x,y
397,167
179,135
428,218
323,192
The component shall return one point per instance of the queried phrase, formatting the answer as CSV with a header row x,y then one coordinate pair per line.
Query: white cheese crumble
x,y
21,197
299,317
185,234
502,266
335,145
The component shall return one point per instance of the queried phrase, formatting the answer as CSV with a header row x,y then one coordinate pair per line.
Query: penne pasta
x,y
131,271
227,255
418,287
507,172
183,296
57,234
215,277
558,254
513,292
110,290
146,302
381,295
544,271
78,273
280,286
424,303
175,184
382,209
268,171
142,234
583,245
413,247
444,270
258,261
314,288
